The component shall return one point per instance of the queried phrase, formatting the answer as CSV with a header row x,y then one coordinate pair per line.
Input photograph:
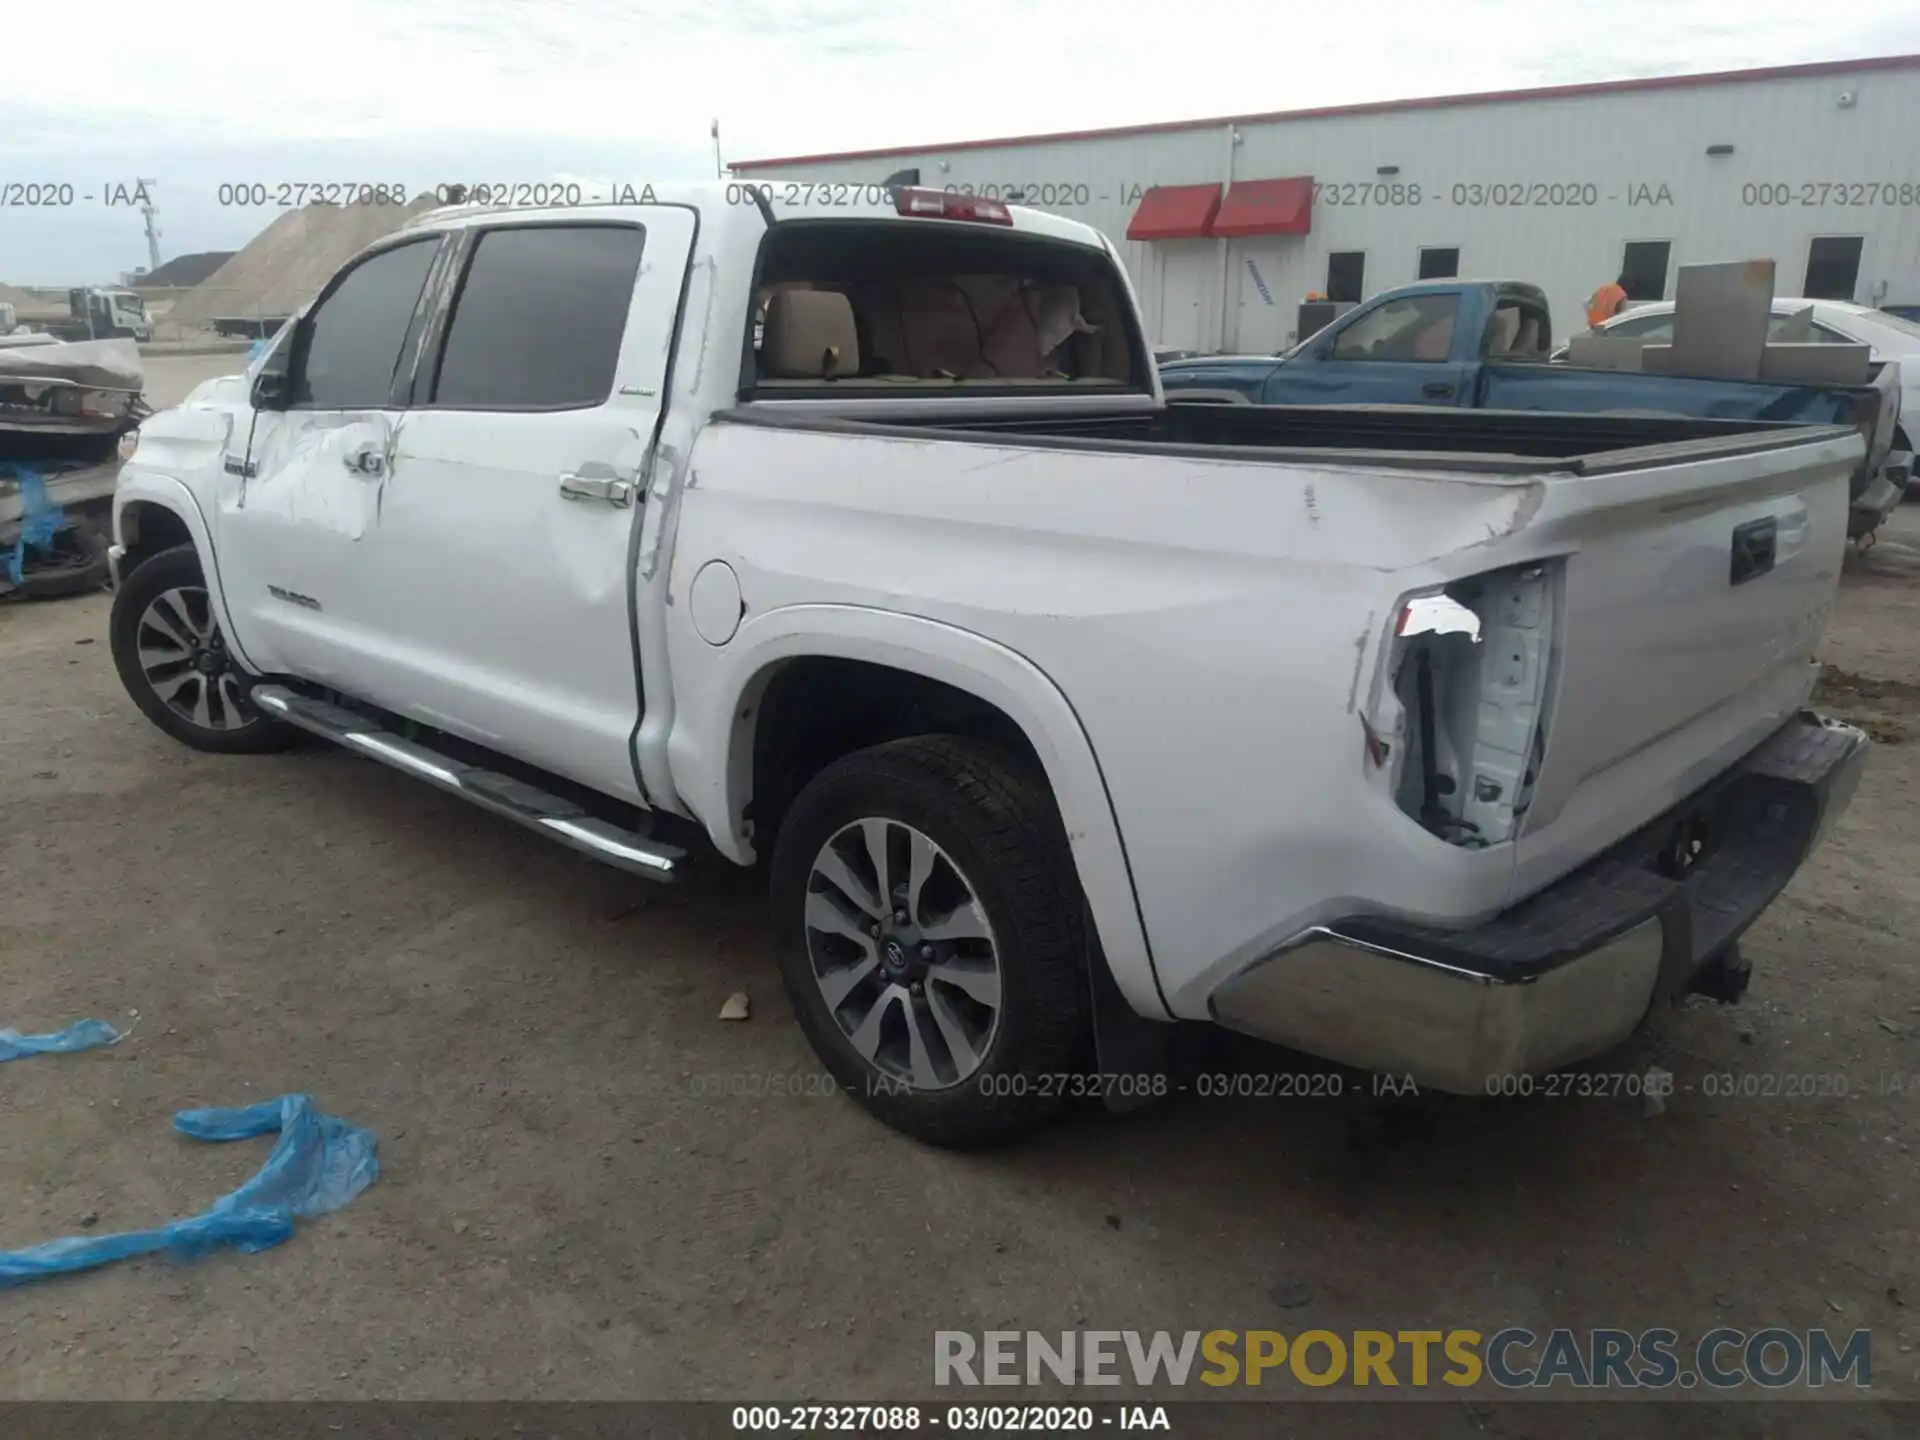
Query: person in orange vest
x,y
1606,302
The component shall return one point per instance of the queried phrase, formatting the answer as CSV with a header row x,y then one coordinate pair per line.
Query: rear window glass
x,y
1655,329
893,304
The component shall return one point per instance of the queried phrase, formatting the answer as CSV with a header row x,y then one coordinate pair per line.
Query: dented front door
x,y
486,589
303,485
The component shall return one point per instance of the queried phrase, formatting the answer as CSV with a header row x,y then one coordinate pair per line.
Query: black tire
x,y
1000,829
77,566
178,569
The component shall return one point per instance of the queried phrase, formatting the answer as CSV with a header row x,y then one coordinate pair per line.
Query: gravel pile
x,y
284,265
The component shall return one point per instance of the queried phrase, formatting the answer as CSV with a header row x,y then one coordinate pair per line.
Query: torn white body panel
x,y
88,364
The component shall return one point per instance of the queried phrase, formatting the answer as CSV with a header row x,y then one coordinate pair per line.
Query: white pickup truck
x,y
860,539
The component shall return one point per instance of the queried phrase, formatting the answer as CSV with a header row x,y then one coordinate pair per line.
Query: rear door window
x,y
356,334
539,317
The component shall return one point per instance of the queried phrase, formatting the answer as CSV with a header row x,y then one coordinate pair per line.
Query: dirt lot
x,y
572,1206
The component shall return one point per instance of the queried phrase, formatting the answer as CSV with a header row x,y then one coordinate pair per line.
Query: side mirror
x,y
270,390
272,387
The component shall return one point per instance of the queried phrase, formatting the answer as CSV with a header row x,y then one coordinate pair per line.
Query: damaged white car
x,y
66,412
1444,743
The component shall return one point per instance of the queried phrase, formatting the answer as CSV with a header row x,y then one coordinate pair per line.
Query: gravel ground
x,y
572,1206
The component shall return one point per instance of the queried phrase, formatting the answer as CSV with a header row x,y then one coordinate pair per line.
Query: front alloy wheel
x,y
185,661
175,664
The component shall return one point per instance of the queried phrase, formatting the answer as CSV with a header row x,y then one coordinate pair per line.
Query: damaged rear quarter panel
x,y
1206,619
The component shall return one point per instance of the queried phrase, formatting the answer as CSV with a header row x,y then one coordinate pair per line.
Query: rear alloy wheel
x,y
902,953
175,664
933,948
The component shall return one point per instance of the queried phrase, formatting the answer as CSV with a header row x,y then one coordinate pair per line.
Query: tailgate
x,y
1691,598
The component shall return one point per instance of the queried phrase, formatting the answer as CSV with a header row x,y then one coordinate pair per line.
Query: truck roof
x,y
788,200
1423,287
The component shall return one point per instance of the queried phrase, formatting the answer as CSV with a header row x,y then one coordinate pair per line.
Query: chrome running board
x,y
526,804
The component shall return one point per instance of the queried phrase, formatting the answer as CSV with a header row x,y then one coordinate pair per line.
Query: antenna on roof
x,y
899,178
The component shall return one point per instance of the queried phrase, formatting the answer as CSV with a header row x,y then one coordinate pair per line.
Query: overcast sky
x,y
196,92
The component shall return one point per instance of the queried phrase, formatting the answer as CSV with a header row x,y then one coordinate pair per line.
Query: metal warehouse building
x,y
1227,224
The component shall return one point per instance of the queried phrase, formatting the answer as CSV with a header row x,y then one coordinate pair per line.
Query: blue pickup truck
x,y
1483,344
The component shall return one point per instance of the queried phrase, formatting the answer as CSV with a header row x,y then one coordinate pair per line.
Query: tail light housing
x,y
1459,728
946,205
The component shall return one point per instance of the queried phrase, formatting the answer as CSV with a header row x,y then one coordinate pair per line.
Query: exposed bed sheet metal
x,y
1266,207
1175,212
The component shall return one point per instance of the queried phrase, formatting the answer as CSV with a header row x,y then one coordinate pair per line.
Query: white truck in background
x,y
1445,744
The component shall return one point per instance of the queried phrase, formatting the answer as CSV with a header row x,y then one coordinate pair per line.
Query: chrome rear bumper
x,y
1571,971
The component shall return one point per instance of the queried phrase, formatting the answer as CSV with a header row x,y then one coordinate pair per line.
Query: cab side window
x,y
539,317
355,335
1418,328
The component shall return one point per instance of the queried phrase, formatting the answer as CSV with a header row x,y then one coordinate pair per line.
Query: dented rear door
x,y
488,592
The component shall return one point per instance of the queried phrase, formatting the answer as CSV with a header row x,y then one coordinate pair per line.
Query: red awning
x,y
1266,207
1175,212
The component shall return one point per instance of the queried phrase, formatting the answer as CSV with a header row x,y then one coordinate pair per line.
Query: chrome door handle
x,y
579,487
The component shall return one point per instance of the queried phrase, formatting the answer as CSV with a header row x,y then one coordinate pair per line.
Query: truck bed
x,y
1517,441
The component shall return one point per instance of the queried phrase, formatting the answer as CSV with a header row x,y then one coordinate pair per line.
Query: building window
x,y
1833,267
1346,272
1440,263
1643,268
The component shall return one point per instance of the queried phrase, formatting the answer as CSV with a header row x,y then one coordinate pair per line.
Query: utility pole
x,y
719,170
153,229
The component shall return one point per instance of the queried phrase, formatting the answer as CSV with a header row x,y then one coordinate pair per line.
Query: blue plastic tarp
x,y
81,1035
39,519
320,1163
